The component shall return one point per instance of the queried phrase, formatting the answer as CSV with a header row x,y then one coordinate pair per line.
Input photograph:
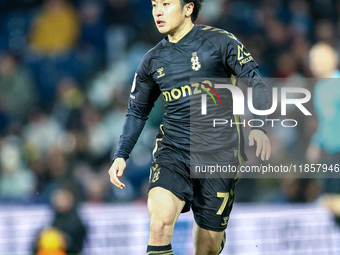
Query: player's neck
x,y
180,32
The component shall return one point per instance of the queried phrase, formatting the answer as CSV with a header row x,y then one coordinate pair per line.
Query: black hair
x,y
197,7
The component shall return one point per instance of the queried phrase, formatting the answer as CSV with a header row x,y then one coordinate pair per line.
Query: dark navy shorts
x,y
211,199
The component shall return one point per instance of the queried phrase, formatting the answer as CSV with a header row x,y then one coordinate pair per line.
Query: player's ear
x,y
189,9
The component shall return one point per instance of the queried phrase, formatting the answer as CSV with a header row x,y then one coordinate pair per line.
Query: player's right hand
x,y
116,170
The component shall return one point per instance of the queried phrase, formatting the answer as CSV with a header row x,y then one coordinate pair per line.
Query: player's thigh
x,y
206,241
164,206
172,174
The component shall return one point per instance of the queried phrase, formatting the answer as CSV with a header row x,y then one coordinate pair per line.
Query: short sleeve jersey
x,y
169,68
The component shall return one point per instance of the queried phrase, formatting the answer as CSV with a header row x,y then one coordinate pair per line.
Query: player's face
x,y
169,15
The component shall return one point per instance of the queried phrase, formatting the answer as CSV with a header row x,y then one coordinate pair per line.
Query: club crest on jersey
x,y
160,72
196,65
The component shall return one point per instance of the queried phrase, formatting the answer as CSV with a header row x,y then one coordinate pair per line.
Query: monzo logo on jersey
x,y
192,89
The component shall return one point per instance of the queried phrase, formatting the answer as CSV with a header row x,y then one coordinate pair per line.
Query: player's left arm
x,y
240,62
261,102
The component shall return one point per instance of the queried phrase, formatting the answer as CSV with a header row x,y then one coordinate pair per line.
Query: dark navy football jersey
x,y
171,69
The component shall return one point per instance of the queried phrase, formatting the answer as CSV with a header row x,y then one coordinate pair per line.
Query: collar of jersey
x,y
185,38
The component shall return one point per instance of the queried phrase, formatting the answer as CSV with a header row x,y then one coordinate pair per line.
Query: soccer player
x,y
189,51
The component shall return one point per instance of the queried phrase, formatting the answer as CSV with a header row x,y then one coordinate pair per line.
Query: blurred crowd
x,y
66,69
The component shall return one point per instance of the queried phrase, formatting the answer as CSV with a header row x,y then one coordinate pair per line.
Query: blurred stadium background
x,y
66,69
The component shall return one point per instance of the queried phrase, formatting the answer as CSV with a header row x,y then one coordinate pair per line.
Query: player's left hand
x,y
262,144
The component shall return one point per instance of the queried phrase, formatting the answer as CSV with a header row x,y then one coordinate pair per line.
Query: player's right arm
x,y
144,93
